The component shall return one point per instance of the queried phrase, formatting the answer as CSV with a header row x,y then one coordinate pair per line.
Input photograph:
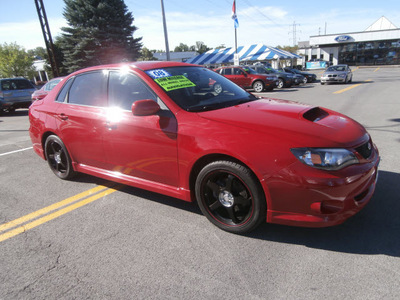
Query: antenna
x,y
294,32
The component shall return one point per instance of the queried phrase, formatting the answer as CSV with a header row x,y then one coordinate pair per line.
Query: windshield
x,y
199,89
336,68
250,70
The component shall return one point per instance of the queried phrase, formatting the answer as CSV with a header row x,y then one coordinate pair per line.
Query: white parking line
x,y
15,151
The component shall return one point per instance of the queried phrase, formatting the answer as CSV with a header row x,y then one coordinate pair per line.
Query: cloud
x,y
29,34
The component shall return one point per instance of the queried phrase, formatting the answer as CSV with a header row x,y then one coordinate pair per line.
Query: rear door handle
x,y
63,116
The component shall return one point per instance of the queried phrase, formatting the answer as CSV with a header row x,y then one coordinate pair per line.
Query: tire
x,y
351,79
281,83
217,88
58,158
258,86
322,83
230,196
305,80
345,81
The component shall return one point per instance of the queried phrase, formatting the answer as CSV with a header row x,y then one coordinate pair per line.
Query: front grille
x,y
330,75
365,150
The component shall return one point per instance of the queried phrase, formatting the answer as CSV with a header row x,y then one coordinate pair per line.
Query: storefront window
x,y
370,53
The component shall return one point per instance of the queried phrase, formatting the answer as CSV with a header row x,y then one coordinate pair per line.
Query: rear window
x,y
15,84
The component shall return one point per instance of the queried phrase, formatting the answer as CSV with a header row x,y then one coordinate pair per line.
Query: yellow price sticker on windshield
x,y
174,82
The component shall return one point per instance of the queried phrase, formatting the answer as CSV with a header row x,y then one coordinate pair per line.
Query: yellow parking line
x,y
350,87
55,214
377,69
49,208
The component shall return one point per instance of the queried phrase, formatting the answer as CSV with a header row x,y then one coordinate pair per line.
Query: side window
x,y
126,88
88,89
64,91
228,71
237,71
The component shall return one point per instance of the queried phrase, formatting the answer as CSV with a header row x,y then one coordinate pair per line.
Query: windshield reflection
x,y
198,89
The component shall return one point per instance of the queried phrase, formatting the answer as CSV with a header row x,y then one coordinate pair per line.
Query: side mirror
x,y
145,107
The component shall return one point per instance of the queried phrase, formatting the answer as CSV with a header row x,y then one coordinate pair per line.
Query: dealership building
x,y
379,44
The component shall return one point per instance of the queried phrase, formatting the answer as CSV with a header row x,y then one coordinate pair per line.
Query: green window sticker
x,y
174,82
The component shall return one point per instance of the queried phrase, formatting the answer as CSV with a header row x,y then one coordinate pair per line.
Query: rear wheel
x,y
281,83
230,196
258,86
58,158
217,88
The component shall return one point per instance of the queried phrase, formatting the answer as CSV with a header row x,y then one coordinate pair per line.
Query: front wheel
x,y
258,86
230,196
58,158
305,80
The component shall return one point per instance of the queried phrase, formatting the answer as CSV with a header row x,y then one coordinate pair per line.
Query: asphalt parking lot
x,y
89,239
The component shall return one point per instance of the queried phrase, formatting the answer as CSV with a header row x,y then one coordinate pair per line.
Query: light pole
x,y
165,30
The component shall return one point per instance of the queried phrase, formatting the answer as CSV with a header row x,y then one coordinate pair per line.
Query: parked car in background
x,y
284,79
15,93
248,78
309,77
246,160
45,89
337,73
297,78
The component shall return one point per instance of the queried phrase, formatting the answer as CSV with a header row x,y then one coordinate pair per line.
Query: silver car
x,y
337,73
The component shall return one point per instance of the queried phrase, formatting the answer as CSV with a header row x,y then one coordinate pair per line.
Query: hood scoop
x,y
315,114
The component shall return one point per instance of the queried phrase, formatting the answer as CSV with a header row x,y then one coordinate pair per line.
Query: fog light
x,y
327,207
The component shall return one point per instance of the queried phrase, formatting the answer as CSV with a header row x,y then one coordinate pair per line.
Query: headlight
x,y
342,75
326,159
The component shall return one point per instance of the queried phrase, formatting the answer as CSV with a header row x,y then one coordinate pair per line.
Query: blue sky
x,y
260,21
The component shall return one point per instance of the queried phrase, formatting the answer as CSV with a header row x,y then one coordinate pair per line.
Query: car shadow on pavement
x,y
136,192
374,230
17,113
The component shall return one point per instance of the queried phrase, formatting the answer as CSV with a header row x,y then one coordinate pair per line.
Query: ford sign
x,y
343,38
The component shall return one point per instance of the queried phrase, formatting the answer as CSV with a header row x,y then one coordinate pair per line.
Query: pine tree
x,y
99,32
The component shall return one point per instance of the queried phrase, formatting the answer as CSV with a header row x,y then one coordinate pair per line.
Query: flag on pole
x,y
234,16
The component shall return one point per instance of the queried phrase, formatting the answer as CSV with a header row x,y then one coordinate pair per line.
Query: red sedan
x,y
161,126
44,90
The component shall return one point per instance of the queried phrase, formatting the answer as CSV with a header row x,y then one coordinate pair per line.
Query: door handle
x,y
63,116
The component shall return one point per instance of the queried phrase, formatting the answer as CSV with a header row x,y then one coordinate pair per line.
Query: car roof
x,y
15,78
142,65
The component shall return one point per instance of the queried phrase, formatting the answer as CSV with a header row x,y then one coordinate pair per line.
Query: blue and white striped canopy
x,y
258,52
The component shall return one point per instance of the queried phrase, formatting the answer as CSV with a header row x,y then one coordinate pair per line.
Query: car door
x,y
240,77
80,117
140,146
349,74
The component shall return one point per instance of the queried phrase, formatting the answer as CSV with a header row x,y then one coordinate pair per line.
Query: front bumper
x,y
333,79
318,198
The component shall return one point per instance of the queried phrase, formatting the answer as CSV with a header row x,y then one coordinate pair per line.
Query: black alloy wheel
x,y
58,158
230,196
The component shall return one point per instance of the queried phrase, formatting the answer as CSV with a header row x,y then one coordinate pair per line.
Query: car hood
x,y
301,125
334,72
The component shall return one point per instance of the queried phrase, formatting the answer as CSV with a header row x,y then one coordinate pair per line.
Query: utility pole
x,y
294,32
47,36
165,31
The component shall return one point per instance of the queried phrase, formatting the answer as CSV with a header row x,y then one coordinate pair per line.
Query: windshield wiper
x,y
202,108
